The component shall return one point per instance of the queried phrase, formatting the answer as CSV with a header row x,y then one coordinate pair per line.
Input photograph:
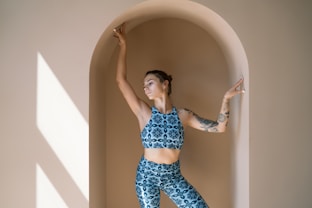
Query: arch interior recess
x,y
235,57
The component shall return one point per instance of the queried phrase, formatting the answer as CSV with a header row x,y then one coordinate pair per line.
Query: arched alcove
x,y
205,57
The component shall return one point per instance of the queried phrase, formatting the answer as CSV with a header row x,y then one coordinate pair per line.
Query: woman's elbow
x,y
221,128
120,80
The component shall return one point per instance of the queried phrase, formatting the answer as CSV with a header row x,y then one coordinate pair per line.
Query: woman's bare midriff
x,y
162,155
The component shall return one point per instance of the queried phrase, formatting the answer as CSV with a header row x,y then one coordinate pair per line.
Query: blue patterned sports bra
x,y
163,131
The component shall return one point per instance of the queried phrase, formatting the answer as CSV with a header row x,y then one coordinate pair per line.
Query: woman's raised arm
x,y
135,103
220,124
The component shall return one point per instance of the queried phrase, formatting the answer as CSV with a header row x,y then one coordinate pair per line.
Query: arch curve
x,y
236,59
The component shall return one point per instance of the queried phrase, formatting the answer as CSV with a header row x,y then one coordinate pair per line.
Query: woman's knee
x,y
148,196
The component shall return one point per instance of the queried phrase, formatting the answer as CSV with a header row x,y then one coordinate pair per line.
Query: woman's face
x,y
153,88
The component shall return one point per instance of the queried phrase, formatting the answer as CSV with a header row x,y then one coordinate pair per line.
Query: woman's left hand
x,y
234,91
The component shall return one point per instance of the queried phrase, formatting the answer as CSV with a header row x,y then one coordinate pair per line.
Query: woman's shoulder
x,y
183,110
184,113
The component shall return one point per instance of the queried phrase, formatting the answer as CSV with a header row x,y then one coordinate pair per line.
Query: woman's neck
x,y
163,105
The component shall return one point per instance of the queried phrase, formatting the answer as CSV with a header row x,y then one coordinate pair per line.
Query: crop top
x,y
163,131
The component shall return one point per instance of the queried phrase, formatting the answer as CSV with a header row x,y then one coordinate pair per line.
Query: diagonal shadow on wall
x,y
63,161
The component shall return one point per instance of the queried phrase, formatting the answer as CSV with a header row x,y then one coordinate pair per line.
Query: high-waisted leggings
x,y
151,178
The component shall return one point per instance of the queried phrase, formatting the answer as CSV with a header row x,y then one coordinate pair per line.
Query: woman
x,y
162,134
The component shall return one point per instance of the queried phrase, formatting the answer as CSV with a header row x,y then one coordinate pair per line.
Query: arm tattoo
x,y
227,114
206,124
223,117
209,125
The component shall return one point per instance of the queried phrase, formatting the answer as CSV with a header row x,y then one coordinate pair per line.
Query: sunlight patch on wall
x,y
47,196
63,127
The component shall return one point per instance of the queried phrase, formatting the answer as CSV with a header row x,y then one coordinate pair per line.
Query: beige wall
x,y
275,35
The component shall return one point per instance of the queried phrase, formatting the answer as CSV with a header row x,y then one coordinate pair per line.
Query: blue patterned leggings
x,y
152,177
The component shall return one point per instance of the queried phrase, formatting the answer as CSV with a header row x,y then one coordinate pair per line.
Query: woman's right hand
x,y
120,33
